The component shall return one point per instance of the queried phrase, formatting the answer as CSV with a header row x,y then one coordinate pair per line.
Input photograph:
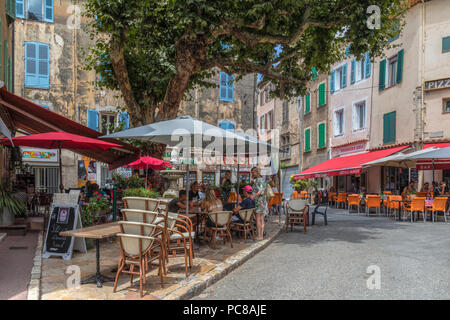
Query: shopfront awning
x,y
437,164
345,165
19,113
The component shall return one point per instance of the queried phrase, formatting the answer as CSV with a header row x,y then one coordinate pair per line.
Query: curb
x,y
191,288
34,286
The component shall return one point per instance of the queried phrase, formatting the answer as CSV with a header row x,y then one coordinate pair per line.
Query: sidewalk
x,y
209,266
16,263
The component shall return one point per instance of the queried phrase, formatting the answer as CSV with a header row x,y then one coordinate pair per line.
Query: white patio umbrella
x,y
186,131
431,154
403,160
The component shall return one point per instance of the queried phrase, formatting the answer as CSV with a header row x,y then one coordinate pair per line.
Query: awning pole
x,y
61,186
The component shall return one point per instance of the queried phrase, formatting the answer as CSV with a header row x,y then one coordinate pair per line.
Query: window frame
x,y
227,87
355,105
389,73
108,114
444,102
335,112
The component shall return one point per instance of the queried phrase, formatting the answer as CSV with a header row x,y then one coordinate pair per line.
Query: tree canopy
x,y
154,51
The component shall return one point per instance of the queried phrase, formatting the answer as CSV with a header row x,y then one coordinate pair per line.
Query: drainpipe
x,y
422,80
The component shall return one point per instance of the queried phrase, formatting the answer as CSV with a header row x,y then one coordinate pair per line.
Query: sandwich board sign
x,y
63,217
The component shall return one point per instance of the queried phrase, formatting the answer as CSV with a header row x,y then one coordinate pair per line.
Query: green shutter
x,y
389,127
1,49
307,139
5,59
321,94
308,103
321,139
382,77
400,65
446,44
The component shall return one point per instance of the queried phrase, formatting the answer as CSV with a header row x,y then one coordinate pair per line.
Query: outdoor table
x,y
97,232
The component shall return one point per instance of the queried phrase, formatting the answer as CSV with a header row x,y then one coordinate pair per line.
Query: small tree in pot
x,y
9,206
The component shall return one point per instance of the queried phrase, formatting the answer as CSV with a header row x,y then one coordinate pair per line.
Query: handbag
x,y
269,192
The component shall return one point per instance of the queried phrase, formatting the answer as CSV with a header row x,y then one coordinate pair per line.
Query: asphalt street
x,y
339,260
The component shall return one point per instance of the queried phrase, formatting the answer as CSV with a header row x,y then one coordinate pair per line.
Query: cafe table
x,y
97,233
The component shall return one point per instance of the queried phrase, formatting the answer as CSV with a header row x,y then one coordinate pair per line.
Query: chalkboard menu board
x,y
63,217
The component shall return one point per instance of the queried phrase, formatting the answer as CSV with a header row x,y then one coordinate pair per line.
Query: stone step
x,y
15,229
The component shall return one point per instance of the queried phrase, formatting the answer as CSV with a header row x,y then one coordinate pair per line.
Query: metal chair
x,y
316,210
296,213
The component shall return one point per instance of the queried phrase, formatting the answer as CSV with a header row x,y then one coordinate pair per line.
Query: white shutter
x,y
354,118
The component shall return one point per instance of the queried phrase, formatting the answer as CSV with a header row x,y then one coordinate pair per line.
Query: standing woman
x,y
259,195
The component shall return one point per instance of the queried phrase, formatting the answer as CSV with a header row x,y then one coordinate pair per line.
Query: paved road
x,y
330,262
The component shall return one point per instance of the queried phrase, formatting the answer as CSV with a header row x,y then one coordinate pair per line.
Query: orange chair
x,y
373,201
386,195
232,197
394,204
417,205
353,200
439,205
331,198
275,201
341,199
295,194
303,195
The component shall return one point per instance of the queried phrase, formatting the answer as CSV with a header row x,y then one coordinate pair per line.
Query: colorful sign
x,y
39,155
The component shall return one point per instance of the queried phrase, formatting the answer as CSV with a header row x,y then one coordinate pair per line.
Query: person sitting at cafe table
x,y
194,194
441,190
425,187
179,203
409,189
211,204
246,203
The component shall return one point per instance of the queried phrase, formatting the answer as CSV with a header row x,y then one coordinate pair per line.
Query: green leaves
x,y
7,201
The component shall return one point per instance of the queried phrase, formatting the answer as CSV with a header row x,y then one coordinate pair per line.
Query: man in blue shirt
x,y
246,203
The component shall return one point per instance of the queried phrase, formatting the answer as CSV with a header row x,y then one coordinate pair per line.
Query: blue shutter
x,y
347,51
332,81
48,11
92,119
367,65
124,117
31,62
44,106
353,72
20,11
223,86
344,76
230,88
43,66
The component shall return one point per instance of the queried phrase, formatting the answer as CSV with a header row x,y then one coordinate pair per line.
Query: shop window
x,y
339,122
446,105
46,179
359,116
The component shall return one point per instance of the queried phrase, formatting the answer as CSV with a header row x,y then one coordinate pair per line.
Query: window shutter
x,y
48,13
382,77
321,140
307,139
353,72
321,94
10,87
92,119
125,118
230,85
446,44
5,64
344,76
354,118
31,79
308,103
367,65
392,127
20,11
43,66
223,86
386,128
400,65
332,81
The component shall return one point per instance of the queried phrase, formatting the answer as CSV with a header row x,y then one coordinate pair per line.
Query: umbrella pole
x,y
61,186
433,170
146,178
238,185
187,188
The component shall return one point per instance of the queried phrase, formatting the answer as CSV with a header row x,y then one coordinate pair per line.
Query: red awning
x,y
20,113
345,165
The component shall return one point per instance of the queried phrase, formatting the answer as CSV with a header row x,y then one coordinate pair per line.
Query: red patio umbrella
x,y
149,162
59,140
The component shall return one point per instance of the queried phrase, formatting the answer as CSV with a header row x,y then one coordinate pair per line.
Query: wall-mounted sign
x,y
356,147
39,155
437,84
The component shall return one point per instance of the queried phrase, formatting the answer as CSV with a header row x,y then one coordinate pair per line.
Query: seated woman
x,y
211,204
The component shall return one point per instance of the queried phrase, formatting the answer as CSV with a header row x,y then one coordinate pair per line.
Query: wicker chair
x,y
296,213
136,240
140,203
221,221
247,224
179,237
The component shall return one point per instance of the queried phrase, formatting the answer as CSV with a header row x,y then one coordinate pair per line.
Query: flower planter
x,y
6,217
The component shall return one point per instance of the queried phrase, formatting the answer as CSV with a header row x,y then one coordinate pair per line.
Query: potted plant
x,y
9,206
97,205
312,184
298,184
140,192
